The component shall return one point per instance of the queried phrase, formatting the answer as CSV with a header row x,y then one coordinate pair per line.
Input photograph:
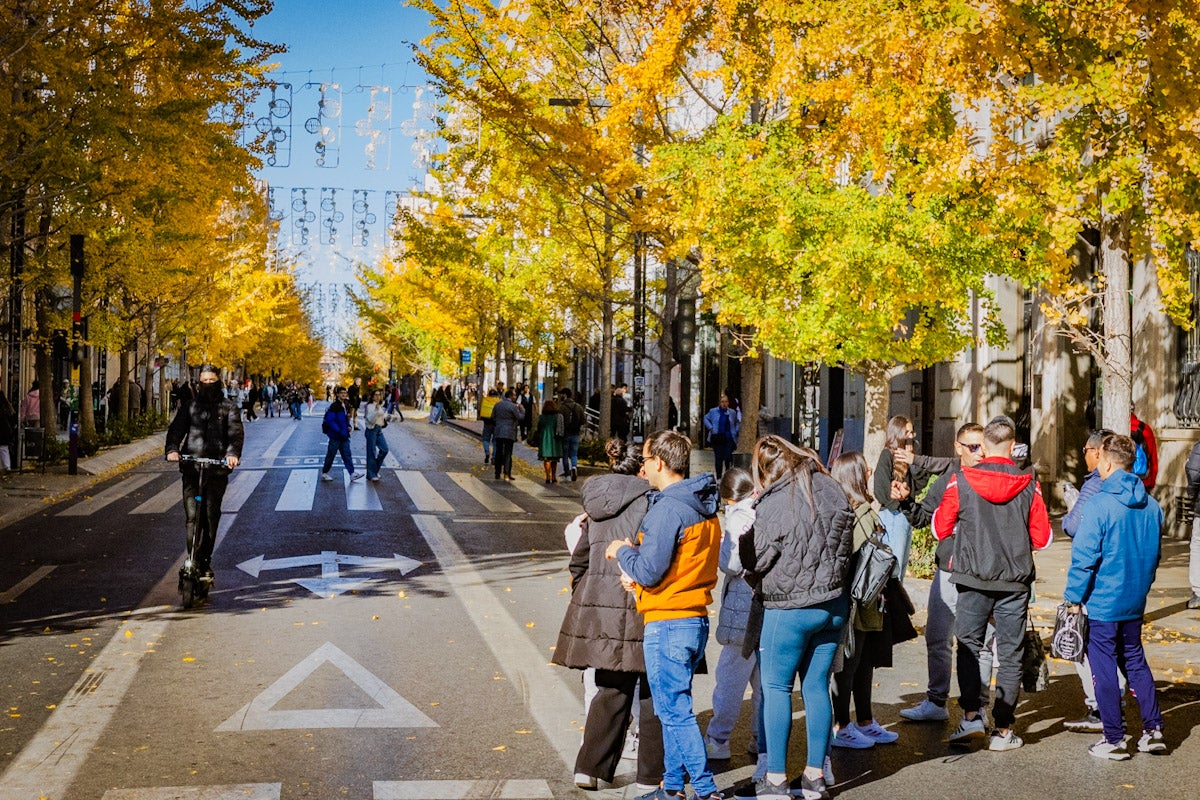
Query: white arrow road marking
x,y
331,583
462,790
554,706
242,791
394,710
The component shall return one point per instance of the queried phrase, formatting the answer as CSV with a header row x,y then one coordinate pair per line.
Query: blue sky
x,y
356,44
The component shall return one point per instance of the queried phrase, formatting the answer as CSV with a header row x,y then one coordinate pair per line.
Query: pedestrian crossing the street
x,y
303,490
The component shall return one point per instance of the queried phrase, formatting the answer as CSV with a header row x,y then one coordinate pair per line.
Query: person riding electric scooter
x,y
209,430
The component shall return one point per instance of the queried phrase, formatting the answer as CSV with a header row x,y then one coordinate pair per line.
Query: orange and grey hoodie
x,y
674,561
997,517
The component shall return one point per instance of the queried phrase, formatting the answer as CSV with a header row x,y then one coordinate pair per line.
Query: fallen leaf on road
x,y
188,659
528,624
376,616
501,748
128,634
523,731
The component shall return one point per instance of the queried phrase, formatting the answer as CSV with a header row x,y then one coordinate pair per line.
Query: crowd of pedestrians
x,y
796,543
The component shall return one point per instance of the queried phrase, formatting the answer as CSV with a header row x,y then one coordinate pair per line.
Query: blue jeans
x,y
570,448
799,641
338,446
898,536
722,447
1113,644
377,450
295,408
673,649
489,436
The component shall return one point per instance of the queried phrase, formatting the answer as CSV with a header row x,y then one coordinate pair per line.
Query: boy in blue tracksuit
x,y
1113,561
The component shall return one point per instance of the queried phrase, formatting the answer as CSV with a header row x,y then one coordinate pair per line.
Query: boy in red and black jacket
x,y
997,516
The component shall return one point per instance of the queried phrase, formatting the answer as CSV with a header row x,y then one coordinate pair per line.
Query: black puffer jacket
x,y
800,558
208,430
602,627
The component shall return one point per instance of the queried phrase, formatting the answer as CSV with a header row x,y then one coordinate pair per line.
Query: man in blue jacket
x,y
1113,560
722,424
336,425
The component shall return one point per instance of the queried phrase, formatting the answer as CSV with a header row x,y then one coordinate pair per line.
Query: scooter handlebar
x,y
203,462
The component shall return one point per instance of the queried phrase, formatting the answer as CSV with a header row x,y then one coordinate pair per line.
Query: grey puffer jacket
x,y
800,557
602,627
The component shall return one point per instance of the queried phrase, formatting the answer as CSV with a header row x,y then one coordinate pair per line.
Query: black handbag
x,y
1035,672
1069,641
874,565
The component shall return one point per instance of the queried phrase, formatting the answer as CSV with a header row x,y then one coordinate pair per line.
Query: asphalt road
x,y
390,640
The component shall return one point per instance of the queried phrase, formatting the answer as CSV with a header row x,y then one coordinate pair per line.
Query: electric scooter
x,y
193,584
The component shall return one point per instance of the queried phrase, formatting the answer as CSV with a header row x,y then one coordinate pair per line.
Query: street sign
x,y
466,355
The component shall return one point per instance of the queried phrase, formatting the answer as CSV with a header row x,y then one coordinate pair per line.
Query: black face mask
x,y
211,392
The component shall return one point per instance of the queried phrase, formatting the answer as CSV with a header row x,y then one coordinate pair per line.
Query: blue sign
x,y
466,356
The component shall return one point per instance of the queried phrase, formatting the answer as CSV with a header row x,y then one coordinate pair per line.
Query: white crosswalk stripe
x,y
486,496
91,505
242,484
162,502
463,790
300,490
243,791
361,494
422,493
546,495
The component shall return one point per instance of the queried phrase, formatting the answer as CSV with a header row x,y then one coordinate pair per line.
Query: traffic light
x,y
684,328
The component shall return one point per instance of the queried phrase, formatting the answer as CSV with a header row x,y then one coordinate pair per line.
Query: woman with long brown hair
x,y
799,556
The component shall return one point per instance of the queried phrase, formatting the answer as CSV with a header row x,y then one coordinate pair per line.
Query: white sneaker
x,y
357,476
584,781
1152,742
1113,752
325,476
849,737
999,742
875,731
716,749
925,711
968,729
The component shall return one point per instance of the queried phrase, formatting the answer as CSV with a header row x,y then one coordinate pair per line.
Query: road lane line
x,y
462,790
488,497
113,493
554,706
47,765
166,591
12,594
422,493
361,494
242,484
300,490
241,791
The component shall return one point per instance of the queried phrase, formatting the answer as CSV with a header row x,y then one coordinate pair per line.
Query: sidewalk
x,y
25,493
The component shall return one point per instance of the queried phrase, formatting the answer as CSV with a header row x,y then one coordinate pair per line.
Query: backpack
x,y
1141,457
326,428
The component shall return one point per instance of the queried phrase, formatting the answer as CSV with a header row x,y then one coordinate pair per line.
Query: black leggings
x,y
203,517
854,680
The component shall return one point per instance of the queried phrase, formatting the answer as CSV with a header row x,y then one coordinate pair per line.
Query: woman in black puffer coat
x,y
603,629
798,554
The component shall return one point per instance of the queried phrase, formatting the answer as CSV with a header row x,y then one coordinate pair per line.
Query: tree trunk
x,y
121,395
1116,368
666,347
606,367
87,416
751,393
877,392
151,352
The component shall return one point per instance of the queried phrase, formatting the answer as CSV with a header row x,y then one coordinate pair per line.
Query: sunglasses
x,y
974,448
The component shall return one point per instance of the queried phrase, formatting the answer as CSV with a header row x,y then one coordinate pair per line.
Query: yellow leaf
x,y
528,624
128,634
501,748
188,659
